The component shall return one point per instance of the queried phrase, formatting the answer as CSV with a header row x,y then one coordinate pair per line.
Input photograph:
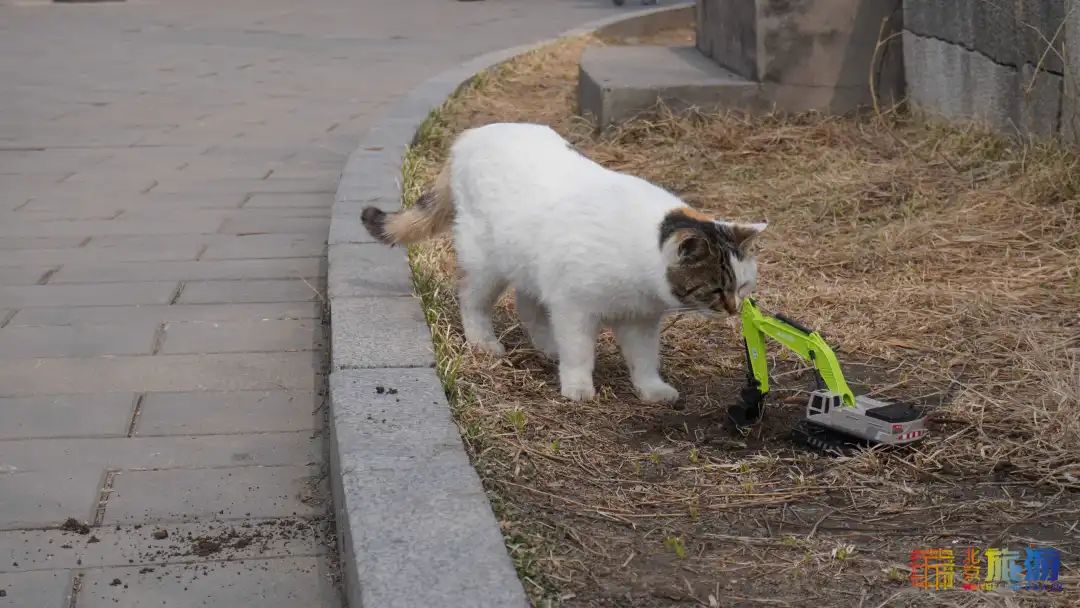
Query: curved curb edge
x,y
414,525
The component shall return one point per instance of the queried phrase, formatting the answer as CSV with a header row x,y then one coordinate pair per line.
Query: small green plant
x,y
654,458
516,418
695,509
676,544
843,552
555,446
895,575
694,455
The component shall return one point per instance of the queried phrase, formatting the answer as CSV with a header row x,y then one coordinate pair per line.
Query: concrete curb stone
x,y
415,527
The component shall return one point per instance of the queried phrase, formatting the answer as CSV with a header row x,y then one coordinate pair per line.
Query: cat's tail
x,y
431,215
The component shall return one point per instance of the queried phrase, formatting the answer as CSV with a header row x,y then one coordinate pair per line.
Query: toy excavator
x,y
835,417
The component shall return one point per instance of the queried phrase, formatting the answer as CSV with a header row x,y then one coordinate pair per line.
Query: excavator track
x,y
825,441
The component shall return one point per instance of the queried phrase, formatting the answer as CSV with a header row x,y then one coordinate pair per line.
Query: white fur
x,y
578,243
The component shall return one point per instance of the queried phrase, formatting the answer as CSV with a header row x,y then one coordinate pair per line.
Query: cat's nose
x,y
731,304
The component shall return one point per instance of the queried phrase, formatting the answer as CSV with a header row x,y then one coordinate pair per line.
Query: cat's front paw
x,y
491,347
578,391
657,391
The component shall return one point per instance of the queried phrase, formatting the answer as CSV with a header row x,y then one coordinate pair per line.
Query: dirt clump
x,y
73,525
205,546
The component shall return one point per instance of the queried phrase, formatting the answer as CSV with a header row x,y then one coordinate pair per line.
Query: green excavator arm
x,y
806,343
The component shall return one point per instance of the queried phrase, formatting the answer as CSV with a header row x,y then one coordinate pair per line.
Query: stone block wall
x,y
1005,62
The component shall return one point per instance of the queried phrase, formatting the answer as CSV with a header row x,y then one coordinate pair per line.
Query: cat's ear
x,y
692,247
743,235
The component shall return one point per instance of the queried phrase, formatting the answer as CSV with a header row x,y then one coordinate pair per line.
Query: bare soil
x,y
943,264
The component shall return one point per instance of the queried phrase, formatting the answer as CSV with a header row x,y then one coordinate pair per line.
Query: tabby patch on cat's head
x,y
710,262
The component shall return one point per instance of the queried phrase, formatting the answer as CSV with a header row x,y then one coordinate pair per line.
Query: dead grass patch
x,y
942,262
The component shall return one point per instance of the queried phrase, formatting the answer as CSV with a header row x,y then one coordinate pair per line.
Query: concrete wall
x,y
1000,61
807,54
727,33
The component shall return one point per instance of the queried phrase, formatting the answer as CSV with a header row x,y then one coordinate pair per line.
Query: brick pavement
x,y
166,176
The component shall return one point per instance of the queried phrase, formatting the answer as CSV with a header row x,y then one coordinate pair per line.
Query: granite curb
x,y
414,525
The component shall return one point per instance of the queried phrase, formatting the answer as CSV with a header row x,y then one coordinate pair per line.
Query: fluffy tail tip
x,y
374,220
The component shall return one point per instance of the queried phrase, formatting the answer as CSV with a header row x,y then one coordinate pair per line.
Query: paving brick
x,y
164,313
200,413
380,332
11,202
98,272
77,340
171,216
275,225
283,212
20,296
127,544
58,455
195,185
290,290
47,498
174,200
280,199
54,198
41,416
267,583
22,242
233,493
240,336
113,249
267,246
147,248
76,207
114,180
225,372
369,270
108,227
29,214
50,161
23,275
43,589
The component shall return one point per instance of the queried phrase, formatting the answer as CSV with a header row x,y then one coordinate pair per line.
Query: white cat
x,y
580,244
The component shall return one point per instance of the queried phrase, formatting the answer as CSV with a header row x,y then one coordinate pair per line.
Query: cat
x,y
580,244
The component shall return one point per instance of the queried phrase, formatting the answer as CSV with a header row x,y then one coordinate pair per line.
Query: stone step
x,y
617,83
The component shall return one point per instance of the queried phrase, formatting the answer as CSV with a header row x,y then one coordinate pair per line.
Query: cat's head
x,y
710,262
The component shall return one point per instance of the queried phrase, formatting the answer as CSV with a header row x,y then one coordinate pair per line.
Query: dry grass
x,y
941,261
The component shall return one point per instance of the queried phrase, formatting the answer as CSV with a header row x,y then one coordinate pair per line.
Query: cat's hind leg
x,y
639,340
479,289
575,336
534,318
